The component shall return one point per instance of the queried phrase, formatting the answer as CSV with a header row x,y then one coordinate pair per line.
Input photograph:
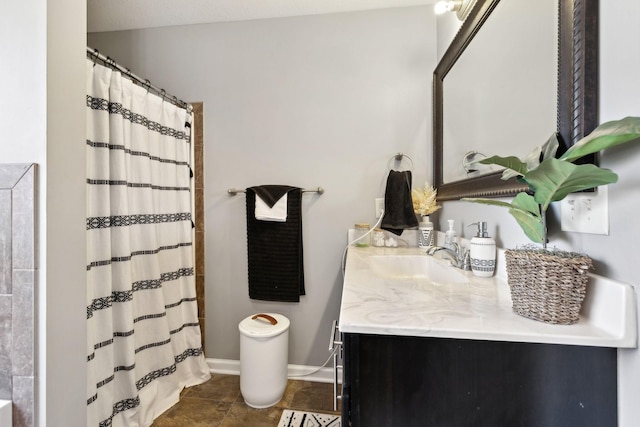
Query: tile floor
x,y
218,403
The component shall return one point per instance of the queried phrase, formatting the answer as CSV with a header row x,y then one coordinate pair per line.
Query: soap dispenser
x,y
450,236
482,251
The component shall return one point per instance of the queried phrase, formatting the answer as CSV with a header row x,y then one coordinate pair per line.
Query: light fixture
x,y
461,7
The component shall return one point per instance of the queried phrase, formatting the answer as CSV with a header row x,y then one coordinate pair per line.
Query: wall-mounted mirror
x,y
516,72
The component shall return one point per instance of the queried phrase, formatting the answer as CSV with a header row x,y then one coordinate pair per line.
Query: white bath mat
x,y
308,419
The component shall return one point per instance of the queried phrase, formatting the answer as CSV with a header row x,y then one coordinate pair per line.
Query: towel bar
x,y
319,190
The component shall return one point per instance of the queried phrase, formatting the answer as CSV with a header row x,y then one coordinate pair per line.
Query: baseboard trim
x,y
294,372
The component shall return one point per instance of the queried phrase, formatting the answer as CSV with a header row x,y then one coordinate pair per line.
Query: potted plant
x,y
424,204
550,285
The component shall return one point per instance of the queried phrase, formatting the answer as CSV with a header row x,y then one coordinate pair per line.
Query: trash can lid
x,y
264,325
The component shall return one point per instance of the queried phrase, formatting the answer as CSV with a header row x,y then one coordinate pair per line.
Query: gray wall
x,y
307,101
615,255
42,81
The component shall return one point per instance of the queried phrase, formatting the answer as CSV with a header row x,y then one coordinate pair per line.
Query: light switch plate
x,y
586,212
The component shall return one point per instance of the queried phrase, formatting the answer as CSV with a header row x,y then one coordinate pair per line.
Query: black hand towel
x,y
398,205
275,265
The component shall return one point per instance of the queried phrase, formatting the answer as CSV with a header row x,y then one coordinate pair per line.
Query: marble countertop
x,y
474,308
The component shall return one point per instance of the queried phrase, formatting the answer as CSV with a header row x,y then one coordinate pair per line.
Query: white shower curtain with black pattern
x,y
144,340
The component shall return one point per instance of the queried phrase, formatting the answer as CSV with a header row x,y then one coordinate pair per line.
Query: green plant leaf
x,y
554,179
527,203
525,211
530,224
510,162
531,161
549,148
606,135
492,202
509,173
518,167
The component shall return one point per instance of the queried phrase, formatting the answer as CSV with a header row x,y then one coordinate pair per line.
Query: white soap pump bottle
x,y
482,251
450,236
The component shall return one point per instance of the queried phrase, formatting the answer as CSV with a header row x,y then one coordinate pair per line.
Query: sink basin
x,y
416,267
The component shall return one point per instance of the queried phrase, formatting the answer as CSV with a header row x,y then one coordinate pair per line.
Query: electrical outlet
x,y
379,207
586,212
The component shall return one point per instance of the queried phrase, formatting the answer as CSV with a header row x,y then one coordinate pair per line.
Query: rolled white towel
x,y
277,213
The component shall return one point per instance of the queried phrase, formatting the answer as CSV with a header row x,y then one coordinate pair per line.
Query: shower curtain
x,y
144,342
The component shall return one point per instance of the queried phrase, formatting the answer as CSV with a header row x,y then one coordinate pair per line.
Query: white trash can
x,y
264,348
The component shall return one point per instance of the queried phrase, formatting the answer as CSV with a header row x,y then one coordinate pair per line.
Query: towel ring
x,y
469,159
398,158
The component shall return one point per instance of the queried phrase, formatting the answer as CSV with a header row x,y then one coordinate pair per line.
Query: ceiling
x,y
115,15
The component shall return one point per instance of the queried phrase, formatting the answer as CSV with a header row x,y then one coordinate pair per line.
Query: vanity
x,y
426,344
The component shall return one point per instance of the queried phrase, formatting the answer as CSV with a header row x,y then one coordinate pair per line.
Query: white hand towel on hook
x,y
277,213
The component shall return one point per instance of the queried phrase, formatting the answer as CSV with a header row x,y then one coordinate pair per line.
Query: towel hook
x,y
398,158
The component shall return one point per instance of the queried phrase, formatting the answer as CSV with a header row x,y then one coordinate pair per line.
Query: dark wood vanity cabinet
x,y
392,381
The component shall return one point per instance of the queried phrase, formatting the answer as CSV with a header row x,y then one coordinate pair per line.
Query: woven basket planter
x,y
547,286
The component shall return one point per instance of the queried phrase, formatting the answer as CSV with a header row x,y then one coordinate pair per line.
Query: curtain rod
x,y
95,55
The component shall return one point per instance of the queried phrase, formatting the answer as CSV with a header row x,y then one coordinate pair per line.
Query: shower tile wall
x,y
18,266
198,171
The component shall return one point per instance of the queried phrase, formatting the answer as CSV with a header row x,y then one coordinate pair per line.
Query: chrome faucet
x,y
459,256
